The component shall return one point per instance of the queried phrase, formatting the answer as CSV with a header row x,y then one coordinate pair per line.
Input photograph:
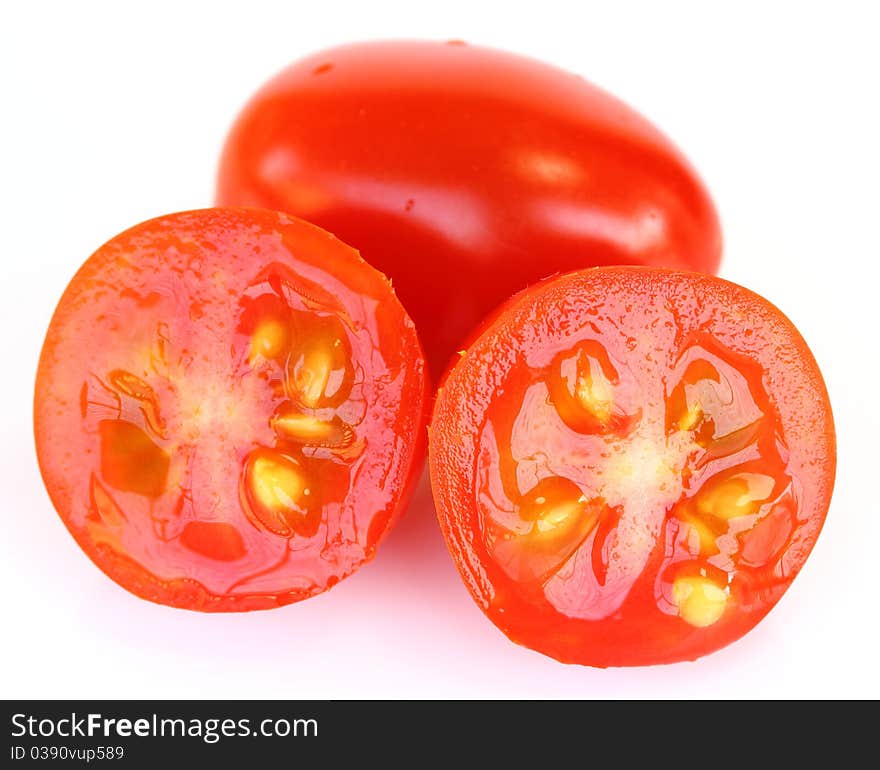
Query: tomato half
x,y
450,167
228,409
631,465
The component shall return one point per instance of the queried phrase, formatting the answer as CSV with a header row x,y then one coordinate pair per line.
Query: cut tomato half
x,y
631,465
228,409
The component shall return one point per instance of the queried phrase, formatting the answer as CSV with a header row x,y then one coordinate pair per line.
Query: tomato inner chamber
x,y
277,414
592,466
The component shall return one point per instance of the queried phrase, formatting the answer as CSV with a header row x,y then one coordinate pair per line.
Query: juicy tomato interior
x,y
451,166
227,409
646,463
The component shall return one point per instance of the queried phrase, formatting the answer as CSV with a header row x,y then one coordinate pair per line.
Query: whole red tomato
x,y
465,174
631,464
228,409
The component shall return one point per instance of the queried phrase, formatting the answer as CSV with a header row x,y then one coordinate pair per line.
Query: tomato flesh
x,y
632,464
451,166
228,409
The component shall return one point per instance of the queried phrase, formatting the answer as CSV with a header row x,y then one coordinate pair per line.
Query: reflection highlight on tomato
x,y
228,409
466,174
631,464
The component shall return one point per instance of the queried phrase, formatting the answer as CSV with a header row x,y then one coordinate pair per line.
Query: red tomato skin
x,y
167,271
466,174
522,326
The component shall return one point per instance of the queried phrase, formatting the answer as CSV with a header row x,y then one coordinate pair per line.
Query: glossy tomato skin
x,y
228,409
466,174
690,522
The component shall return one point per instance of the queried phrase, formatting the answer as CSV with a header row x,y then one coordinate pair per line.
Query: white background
x,y
115,112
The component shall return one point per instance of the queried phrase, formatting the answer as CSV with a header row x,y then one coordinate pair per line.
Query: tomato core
x,y
645,467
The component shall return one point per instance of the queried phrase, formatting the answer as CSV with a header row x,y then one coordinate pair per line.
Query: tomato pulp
x,y
631,465
451,166
228,409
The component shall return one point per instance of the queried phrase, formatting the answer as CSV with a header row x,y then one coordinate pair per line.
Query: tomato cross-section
x,y
228,409
631,464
